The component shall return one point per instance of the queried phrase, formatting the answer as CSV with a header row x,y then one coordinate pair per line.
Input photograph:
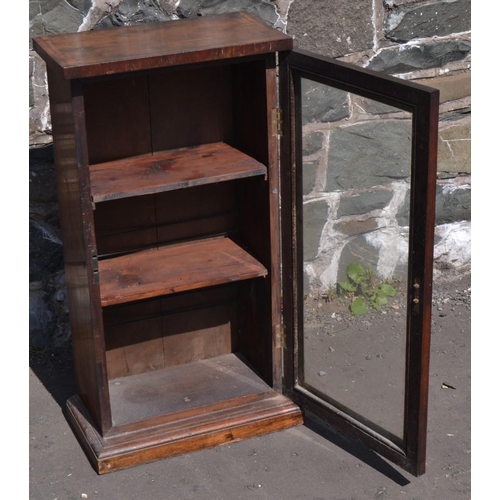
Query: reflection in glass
x,y
355,184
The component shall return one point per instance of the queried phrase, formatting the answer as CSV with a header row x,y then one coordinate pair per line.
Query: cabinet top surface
x,y
157,45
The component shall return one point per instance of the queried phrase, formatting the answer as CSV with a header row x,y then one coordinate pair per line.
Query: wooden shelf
x,y
177,268
169,170
203,383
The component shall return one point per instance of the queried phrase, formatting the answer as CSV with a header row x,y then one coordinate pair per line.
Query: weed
x,y
364,289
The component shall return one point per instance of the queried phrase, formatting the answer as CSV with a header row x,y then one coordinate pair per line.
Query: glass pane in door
x,y
356,169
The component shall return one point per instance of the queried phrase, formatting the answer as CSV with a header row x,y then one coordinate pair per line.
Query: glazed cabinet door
x,y
358,171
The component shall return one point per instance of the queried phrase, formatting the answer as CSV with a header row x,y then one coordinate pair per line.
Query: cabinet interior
x,y
178,171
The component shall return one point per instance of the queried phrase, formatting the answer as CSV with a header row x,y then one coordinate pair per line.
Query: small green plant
x,y
361,285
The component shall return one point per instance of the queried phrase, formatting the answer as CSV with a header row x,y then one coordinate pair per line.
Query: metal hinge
x,y
277,122
95,268
280,335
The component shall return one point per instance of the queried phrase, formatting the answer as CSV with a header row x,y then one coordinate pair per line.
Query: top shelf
x,y
169,170
158,45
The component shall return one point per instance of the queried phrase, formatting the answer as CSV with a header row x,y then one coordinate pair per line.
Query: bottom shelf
x,y
180,388
182,409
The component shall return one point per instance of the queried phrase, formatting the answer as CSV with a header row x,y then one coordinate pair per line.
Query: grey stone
x,y
357,250
62,19
260,8
39,124
45,6
364,203
403,215
454,148
37,28
35,9
45,250
416,57
49,324
168,7
451,87
435,19
309,170
188,8
42,177
369,154
353,227
306,285
315,215
58,303
31,98
321,103
131,12
312,142
373,107
455,115
331,28
453,205
82,5
40,318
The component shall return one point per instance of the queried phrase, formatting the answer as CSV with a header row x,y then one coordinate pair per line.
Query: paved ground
x,y
302,463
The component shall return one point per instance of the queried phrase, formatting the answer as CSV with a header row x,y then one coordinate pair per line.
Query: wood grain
x,y
176,268
117,120
157,45
169,170
170,434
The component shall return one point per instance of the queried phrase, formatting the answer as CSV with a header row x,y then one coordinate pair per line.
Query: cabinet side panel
x,y
89,365
191,107
117,118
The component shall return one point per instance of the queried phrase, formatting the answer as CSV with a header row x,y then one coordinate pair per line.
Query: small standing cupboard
x,y
180,190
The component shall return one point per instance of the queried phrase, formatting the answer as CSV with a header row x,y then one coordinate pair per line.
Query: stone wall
x,y
427,41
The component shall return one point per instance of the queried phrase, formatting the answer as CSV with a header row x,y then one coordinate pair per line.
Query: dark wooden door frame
x,y
423,103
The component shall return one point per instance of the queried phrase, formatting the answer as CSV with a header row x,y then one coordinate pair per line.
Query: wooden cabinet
x,y
182,246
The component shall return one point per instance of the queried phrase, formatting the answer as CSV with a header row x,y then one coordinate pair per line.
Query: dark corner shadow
x,y
54,369
357,449
52,366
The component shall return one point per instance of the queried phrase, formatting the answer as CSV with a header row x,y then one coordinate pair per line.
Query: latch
x,y
416,286
277,122
280,335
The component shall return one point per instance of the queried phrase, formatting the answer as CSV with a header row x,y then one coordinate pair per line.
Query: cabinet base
x,y
171,435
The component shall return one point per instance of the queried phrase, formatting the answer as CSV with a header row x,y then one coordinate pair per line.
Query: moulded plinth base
x,y
182,432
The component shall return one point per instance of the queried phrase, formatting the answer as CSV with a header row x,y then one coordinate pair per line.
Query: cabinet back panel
x,y
125,225
191,107
146,221
250,109
160,333
126,355
196,212
117,118
200,334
